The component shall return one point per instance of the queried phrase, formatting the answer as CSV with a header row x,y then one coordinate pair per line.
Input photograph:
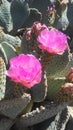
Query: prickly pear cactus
x,y
5,54
13,14
35,15
30,47
63,21
57,76
8,45
66,19
2,78
19,12
56,67
20,107
5,16
14,41
41,7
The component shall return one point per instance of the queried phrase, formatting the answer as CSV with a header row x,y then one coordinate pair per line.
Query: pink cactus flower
x,y
52,41
25,69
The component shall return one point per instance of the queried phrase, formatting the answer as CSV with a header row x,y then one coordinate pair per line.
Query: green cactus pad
x,y
56,73
58,66
5,16
6,124
7,51
13,107
15,41
19,12
2,79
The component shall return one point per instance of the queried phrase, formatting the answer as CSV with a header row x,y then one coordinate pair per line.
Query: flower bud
x,y
28,35
67,88
37,27
70,75
51,8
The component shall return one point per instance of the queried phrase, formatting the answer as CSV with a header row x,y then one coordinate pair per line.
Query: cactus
x,y
5,124
59,123
14,90
19,12
35,15
18,105
2,79
39,92
31,118
63,21
57,75
5,16
66,19
7,51
6,106
8,46
35,91
13,107
13,14
14,41
41,7
58,66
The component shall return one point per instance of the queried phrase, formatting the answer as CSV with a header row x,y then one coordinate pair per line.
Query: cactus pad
x,y
2,78
5,16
